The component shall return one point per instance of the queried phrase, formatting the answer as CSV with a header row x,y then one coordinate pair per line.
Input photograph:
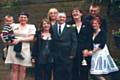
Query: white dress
x,y
26,53
102,62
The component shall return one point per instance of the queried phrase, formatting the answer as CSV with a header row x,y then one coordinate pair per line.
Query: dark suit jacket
x,y
84,38
65,45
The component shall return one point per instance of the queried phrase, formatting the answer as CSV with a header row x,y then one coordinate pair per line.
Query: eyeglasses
x,y
93,10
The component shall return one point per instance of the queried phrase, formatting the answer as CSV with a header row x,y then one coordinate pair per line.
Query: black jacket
x,y
65,45
100,39
40,53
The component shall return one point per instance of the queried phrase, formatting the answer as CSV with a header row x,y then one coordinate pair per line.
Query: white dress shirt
x,y
62,27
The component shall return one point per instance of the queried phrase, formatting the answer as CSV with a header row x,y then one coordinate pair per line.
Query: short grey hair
x,y
61,14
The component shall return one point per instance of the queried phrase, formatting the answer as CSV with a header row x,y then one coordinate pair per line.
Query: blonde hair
x,y
52,10
8,17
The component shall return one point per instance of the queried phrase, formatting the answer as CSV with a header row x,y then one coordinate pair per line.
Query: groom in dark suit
x,y
64,48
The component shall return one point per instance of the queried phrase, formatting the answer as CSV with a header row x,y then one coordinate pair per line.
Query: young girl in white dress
x,y
101,62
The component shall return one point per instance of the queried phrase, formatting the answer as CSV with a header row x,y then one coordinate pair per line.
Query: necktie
x,y
59,30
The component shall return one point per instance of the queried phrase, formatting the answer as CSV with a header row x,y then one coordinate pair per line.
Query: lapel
x,y
55,30
64,31
81,30
97,36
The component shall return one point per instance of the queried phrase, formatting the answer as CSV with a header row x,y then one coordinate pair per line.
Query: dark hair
x,y
23,13
77,8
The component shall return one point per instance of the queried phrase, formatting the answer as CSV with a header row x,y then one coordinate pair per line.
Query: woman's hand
x,y
96,49
33,61
87,53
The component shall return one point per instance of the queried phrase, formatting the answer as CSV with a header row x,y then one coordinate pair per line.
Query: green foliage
x,y
117,61
12,4
8,5
116,33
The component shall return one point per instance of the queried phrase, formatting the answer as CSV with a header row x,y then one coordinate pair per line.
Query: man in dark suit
x,y
64,48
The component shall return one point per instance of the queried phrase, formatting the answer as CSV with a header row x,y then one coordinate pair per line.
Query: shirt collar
x,y
62,26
